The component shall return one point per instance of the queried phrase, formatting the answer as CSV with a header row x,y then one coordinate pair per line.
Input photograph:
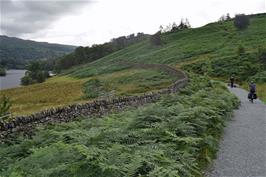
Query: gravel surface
x,y
242,151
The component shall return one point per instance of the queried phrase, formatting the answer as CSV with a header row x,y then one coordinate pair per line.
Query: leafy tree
x,y
2,71
26,80
228,16
224,18
83,55
161,28
35,73
5,105
241,21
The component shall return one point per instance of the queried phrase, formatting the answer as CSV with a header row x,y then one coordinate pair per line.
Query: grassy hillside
x,y
212,49
64,90
16,52
176,136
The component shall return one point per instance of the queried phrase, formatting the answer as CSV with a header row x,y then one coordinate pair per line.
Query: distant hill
x,y
15,52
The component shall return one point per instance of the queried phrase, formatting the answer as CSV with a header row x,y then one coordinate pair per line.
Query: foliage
x,y
127,82
2,71
224,18
184,24
35,73
92,89
262,54
240,50
215,43
259,77
64,90
242,66
16,53
173,137
241,21
5,105
83,55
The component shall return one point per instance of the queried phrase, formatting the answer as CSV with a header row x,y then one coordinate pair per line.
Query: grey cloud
x,y
23,17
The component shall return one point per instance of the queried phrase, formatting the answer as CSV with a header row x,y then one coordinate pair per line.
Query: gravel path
x,y
242,150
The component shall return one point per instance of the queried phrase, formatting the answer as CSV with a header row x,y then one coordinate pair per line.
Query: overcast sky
x,y
87,22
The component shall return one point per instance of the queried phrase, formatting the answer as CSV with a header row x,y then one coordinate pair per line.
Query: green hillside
x,y
176,136
15,52
212,49
213,42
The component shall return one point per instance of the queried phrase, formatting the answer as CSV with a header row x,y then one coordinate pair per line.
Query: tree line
x,y
83,55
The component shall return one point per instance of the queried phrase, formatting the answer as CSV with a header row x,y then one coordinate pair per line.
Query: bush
x,y
35,73
26,80
2,71
241,21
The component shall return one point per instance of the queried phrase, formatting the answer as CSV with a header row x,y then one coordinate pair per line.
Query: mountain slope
x,y
15,52
216,44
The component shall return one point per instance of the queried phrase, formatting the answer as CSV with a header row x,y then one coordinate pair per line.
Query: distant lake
x,y
12,79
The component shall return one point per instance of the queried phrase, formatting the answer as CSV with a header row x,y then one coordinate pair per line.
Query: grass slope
x,y
64,90
211,49
216,40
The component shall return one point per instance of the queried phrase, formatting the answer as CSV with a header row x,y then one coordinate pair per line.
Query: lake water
x,y
12,79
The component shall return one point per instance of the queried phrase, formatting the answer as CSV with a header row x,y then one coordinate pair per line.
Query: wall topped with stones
x,y
98,108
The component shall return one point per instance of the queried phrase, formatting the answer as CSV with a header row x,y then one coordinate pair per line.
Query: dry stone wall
x,y
98,108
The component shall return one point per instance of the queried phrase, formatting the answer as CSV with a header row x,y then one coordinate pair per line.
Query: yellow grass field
x,y
56,91
64,90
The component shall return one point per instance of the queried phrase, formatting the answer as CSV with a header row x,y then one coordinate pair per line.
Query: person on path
x,y
252,91
232,80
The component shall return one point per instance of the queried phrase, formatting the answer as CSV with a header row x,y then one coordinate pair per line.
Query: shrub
x,y
2,71
241,21
26,80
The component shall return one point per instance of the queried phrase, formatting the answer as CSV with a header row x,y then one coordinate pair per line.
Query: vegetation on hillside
x,y
83,55
176,136
2,71
215,42
64,90
35,73
127,82
15,52
217,49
